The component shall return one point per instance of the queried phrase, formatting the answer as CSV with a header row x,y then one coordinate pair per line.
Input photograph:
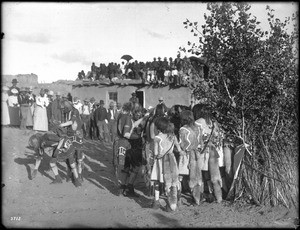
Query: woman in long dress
x,y
14,108
4,105
40,120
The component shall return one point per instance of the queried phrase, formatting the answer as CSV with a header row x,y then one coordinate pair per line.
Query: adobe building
x,y
121,91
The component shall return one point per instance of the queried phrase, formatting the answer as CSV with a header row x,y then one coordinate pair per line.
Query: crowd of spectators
x,y
158,72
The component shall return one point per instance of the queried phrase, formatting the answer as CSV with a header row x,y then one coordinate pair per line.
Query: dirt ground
x,y
39,204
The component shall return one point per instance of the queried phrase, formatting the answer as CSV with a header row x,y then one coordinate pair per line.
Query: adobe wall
x,y
180,95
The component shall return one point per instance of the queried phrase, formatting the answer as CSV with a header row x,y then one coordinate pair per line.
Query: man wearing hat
x,y
101,119
23,100
161,102
93,126
14,86
56,108
134,99
86,118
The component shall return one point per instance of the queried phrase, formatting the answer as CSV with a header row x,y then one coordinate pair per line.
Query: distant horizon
x,y
55,41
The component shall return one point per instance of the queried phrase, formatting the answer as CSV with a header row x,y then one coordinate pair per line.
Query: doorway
x,y
140,96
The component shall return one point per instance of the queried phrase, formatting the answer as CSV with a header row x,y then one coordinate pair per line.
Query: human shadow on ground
x,y
167,221
100,172
44,167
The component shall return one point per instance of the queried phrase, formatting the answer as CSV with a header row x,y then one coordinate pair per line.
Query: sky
x,y
57,40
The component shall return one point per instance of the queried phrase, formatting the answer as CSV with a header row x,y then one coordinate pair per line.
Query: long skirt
x,y
165,170
14,115
40,120
29,121
5,114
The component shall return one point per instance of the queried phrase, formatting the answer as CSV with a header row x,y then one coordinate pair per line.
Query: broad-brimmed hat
x,y
160,98
51,93
86,99
14,81
92,99
58,93
101,102
5,88
30,88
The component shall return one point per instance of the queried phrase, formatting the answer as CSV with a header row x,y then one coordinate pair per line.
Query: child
x,y
165,168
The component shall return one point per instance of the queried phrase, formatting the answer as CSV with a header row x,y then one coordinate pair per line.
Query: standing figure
x,y
165,169
31,101
23,100
211,156
14,86
129,147
50,95
40,120
190,140
134,99
101,121
112,121
75,134
14,108
4,106
77,104
56,108
93,125
86,111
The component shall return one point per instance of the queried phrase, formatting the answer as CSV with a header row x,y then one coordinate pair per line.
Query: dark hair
x,y
162,124
187,118
127,107
202,111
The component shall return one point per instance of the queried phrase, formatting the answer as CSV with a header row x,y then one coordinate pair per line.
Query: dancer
x,y
190,140
165,169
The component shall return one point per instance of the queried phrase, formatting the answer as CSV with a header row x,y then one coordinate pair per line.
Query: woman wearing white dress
x,y
14,108
4,99
40,120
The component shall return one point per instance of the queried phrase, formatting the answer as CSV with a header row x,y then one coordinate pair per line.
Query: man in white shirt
x,y
86,111
77,104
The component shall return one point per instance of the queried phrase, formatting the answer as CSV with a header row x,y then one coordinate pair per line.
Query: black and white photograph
x,y
150,114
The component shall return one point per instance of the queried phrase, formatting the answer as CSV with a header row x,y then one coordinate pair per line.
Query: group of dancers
x,y
182,150
177,147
